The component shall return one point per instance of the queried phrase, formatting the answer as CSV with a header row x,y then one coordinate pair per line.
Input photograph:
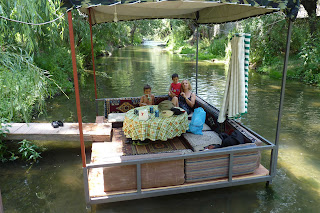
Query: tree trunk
x,y
193,29
133,30
311,7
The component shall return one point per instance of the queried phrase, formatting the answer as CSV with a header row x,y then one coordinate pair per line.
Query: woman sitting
x,y
186,99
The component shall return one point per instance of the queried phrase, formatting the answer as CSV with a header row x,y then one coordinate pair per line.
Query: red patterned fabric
x,y
120,105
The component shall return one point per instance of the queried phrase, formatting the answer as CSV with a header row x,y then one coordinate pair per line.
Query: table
x,y
155,128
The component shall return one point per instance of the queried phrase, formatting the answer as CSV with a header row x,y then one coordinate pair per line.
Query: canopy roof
x,y
202,11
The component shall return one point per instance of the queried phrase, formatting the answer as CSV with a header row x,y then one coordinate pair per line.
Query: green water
x,y
55,184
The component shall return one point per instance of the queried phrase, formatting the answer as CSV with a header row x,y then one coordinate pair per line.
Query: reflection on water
x,y
55,183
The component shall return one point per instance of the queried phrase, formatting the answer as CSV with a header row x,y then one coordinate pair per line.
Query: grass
x,y
274,70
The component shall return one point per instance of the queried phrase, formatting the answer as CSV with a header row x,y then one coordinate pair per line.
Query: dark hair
x,y
147,86
175,75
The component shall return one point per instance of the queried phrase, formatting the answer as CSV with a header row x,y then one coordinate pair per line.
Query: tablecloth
x,y
155,128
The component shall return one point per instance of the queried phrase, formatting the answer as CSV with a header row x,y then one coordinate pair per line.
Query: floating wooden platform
x,y
69,132
103,152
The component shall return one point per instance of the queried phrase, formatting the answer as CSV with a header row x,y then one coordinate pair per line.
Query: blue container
x,y
157,113
151,109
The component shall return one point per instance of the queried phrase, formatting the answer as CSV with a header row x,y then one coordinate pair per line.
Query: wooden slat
x,y
69,132
101,152
97,185
100,119
15,126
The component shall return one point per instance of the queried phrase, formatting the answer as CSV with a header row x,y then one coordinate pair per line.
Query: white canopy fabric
x,y
235,100
201,11
209,12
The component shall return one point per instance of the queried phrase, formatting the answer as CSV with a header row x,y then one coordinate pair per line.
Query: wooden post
x,y
76,87
1,206
92,53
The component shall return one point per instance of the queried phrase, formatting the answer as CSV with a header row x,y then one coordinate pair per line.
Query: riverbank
x,y
297,70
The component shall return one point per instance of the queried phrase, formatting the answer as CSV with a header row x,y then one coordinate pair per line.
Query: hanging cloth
x,y
235,100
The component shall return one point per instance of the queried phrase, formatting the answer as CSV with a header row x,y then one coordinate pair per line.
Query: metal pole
x,y
274,152
76,87
92,53
197,58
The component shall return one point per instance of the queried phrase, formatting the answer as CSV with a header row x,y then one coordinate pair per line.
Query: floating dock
x,y
69,132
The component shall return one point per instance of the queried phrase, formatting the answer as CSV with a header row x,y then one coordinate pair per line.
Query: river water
x,y
55,183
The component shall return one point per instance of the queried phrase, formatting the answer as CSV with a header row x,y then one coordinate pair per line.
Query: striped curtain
x,y
235,100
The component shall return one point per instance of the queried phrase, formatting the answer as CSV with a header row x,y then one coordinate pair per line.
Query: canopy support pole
x,y
92,53
76,87
274,152
197,53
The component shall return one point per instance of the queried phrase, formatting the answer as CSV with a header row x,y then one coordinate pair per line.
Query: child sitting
x,y
147,98
175,87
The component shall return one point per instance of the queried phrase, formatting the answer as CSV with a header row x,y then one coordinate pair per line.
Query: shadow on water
x,y
55,184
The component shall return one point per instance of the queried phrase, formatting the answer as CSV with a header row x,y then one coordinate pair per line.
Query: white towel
x,y
235,98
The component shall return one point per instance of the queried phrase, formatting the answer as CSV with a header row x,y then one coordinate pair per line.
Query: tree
x,y
311,7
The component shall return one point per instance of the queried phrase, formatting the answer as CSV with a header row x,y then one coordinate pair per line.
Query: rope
x,y
22,22
275,22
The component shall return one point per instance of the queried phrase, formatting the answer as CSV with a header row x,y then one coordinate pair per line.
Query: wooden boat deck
x,y
69,132
96,182
102,151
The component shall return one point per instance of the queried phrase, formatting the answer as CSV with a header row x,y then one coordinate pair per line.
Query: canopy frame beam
x,y
92,53
76,87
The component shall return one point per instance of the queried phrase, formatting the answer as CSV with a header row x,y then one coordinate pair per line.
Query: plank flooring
x,y
103,152
69,132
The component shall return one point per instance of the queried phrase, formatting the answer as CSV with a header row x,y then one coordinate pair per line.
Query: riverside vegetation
x,y
35,62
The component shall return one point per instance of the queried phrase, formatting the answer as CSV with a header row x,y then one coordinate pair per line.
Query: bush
x,y
59,64
29,151
218,47
310,54
187,50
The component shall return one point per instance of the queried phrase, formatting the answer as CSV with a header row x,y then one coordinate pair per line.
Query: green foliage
x,y
310,53
187,50
268,43
23,86
3,146
29,151
4,127
60,65
30,38
218,47
206,56
179,34
268,37
5,154
214,49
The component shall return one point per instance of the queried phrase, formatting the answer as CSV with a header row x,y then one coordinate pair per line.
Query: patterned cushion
x,y
198,142
121,105
214,167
